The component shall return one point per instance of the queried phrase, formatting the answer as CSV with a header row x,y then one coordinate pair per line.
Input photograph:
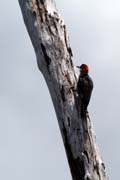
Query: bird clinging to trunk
x,y
84,87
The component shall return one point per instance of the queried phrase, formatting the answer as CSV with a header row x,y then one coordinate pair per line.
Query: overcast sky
x,y
30,142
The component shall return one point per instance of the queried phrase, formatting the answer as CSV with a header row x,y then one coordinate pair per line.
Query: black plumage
x,y
84,88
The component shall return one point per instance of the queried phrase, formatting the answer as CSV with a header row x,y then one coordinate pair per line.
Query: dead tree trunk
x,y
54,57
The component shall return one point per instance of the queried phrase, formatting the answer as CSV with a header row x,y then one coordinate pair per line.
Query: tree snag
x,y
50,40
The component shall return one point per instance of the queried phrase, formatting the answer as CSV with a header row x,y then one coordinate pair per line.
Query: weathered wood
x,y
54,57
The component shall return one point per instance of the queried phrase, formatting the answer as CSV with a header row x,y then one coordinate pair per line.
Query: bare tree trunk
x,y
54,57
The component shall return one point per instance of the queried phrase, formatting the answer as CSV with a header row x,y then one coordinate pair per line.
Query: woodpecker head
x,y
84,69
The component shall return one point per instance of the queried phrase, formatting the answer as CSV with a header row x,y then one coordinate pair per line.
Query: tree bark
x,y
50,40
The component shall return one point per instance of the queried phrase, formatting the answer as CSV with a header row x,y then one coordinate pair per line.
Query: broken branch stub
x,y
50,40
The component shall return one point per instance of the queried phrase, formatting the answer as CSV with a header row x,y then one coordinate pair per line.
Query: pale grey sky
x,y
30,142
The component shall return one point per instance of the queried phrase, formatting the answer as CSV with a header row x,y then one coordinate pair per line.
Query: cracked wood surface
x,y
50,40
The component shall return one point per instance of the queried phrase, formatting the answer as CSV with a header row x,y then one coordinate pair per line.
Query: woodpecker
x,y
84,86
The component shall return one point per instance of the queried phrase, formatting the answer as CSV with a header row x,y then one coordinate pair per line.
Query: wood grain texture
x,y
50,40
